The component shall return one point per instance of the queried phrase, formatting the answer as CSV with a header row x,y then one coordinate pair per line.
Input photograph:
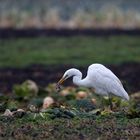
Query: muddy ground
x,y
129,73
33,32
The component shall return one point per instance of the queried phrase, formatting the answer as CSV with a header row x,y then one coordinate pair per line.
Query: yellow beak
x,y
61,81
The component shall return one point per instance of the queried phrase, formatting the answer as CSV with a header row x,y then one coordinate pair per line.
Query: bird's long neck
x,y
77,79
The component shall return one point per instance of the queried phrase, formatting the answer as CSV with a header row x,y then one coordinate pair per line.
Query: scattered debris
x,y
19,113
8,113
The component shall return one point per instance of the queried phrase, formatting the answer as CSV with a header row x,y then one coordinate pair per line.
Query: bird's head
x,y
69,73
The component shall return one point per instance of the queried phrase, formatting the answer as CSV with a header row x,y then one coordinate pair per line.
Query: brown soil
x,y
33,32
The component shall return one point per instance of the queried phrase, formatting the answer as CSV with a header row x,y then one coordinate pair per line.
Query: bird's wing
x,y
105,81
103,72
109,74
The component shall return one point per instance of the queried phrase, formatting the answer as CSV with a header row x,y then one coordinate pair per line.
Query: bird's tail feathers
x,y
125,95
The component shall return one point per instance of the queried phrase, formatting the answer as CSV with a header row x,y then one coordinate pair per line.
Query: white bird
x,y
101,79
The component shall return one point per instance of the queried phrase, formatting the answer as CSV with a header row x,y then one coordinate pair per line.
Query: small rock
x,y
81,95
21,110
94,101
48,101
8,113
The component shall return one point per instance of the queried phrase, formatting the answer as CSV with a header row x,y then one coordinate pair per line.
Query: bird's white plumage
x,y
103,80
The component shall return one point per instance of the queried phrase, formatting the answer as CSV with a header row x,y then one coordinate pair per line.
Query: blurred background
x,y
39,40
70,14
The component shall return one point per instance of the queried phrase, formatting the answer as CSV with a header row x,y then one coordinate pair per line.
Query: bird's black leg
x,y
102,104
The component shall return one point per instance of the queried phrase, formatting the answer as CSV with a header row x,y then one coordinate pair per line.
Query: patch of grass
x,y
76,128
73,50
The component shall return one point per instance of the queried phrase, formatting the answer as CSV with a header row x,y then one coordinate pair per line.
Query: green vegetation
x,y
108,127
72,50
70,116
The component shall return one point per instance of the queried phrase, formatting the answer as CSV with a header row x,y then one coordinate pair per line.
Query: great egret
x,y
101,79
